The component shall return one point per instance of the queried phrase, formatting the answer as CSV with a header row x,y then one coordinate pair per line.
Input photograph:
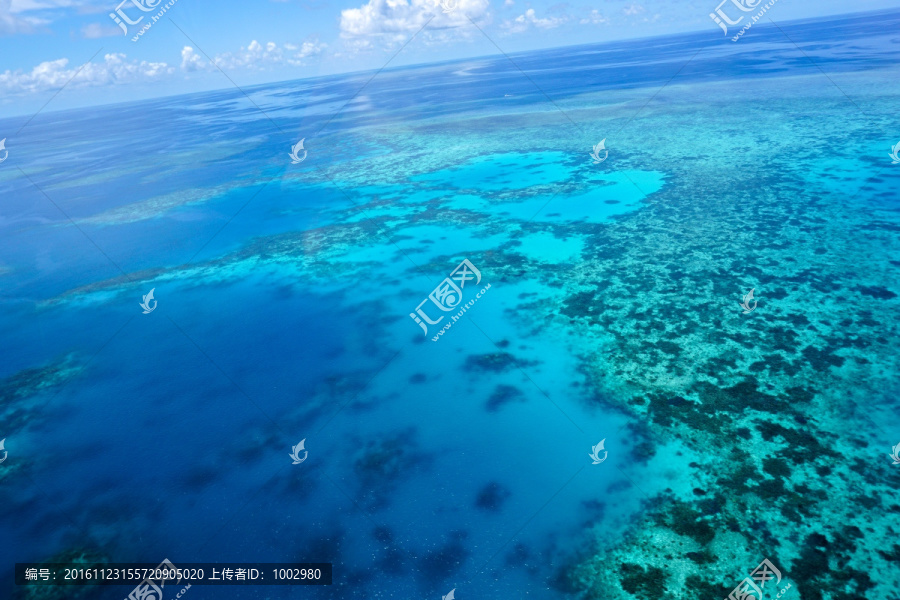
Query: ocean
x,y
588,301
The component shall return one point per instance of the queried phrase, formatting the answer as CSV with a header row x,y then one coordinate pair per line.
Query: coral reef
x,y
776,399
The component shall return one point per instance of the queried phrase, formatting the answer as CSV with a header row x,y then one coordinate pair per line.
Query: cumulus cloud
x,y
529,19
595,18
114,69
191,61
254,56
634,9
393,21
117,69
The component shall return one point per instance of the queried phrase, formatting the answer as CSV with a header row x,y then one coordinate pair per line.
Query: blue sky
x,y
44,42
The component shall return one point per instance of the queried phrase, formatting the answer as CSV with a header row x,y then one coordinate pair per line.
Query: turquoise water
x,y
284,299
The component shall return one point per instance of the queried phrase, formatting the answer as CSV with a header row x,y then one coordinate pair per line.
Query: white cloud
x,y
634,9
191,61
254,56
393,21
95,30
115,69
308,49
60,8
29,16
33,16
11,22
528,20
25,5
595,18
508,2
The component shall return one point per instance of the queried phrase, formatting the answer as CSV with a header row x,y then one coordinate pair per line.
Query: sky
x,y
47,45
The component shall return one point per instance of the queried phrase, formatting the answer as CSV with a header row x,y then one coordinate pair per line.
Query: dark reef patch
x,y
382,463
15,390
502,395
495,362
684,520
647,583
876,291
436,566
390,558
492,497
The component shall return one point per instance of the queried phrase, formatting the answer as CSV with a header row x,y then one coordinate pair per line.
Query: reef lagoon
x,y
460,460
